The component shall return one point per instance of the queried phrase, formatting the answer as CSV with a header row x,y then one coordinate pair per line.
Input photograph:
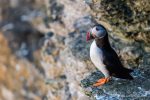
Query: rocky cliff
x,y
128,27
45,43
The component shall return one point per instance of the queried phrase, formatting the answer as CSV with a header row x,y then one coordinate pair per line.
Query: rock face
x,y
129,18
44,53
21,75
19,78
128,36
118,17
116,89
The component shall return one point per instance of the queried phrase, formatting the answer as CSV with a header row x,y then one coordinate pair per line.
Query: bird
x,y
104,56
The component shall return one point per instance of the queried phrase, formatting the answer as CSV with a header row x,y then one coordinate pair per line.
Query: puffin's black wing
x,y
114,65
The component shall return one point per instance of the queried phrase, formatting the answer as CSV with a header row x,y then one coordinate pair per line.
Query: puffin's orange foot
x,y
101,81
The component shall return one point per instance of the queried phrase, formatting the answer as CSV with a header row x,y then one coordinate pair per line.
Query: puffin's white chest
x,y
96,55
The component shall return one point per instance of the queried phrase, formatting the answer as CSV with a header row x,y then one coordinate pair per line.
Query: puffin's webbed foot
x,y
101,81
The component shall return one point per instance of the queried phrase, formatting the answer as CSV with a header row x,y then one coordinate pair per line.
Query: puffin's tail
x,y
125,74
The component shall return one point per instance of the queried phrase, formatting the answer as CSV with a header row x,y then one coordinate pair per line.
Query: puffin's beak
x,y
89,36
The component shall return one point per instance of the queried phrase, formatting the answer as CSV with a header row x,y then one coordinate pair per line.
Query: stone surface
x,y
21,75
116,89
19,78
44,54
129,45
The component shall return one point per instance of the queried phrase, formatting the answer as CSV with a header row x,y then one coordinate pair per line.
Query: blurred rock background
x,y
44,55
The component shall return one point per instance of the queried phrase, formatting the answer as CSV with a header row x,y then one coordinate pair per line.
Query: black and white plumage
x,y
103,55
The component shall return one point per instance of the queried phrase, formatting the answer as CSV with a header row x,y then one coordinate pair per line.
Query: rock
x,y
55,79
128,18
65,13
127,36
18,75
44,54
78,69
8,95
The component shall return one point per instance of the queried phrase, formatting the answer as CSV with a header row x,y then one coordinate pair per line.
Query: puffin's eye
x,y
97,29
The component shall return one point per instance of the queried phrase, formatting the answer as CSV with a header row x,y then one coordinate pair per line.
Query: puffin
x,y
104,56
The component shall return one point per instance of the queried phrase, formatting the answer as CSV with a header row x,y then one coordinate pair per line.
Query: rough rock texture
x,y
63,15
66,16
129,37
128,18
116,89
55,78
21,75
43,49
18,77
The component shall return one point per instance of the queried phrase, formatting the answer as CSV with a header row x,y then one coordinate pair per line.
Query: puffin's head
x,y
98,31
